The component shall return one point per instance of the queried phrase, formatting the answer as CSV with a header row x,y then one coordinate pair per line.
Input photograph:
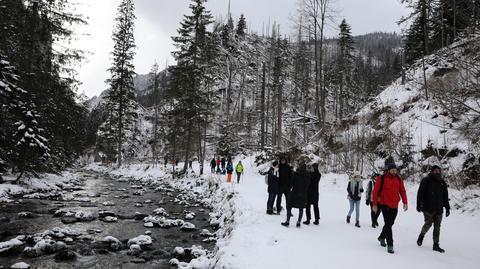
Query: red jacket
x,y
392,190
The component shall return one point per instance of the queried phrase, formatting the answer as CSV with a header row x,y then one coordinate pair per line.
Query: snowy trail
x,y
259,241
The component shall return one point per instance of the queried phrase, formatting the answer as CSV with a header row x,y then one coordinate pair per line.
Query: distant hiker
x,y
386,195
229,171
190,164
272,189
222,163
432,197
368,201
298,195
165,160
218,162
285,182
354,190
239,170
312,195
213,164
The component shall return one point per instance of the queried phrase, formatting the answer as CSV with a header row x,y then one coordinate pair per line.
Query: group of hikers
x,y
383,195
222,166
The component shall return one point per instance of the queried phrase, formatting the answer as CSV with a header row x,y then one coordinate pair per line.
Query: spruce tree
x,y
241,27
121,103
345,66
188,77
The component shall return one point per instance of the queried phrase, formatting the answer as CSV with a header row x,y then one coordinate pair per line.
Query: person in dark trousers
x,y
354,190
432,197
368,201
298,194
222,163
388,190
239,170
285,182
312,195
272,189
213,164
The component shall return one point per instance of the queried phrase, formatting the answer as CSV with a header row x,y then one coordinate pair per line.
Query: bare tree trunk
x,y
279,117
262,108
120,130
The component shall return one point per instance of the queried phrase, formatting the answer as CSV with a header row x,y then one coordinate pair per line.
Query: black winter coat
x,y
432,195
285,177
272,182
298,193
312,195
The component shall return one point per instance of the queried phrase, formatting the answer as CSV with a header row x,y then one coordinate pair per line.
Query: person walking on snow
x,y
213,164
218,163
285,182
354,190
239,170
312,195
222,163
272,189
298,194
368,201
432,197
229,171
388,190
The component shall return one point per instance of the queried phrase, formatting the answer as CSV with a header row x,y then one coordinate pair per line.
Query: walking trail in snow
x,y
259,241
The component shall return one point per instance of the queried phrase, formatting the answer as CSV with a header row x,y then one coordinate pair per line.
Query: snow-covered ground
x,y
259,241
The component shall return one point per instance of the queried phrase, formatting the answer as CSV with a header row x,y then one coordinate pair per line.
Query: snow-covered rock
x,y
140,240
113,243
11,246
187,226
20,265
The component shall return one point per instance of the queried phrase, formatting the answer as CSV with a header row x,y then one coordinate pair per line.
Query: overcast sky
x,y
158,20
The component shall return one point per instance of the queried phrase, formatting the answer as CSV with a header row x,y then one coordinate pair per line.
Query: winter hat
x,y
390,163
435,167
275,163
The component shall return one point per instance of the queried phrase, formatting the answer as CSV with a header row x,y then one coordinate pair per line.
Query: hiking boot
x,y
269,212
382,242
420,240
348,219
316,222
286,223
390,249
307,222
373,225
357,224
436,247
298,224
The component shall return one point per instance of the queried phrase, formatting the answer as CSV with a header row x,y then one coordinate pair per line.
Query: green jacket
x,y
239,168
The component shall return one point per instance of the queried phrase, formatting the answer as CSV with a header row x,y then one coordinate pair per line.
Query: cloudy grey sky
x,y
157,21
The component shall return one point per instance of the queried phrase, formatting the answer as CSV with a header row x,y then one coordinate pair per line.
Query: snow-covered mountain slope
x,y
418,131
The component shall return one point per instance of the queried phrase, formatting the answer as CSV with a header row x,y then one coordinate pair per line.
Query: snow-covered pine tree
x,y
121,103
241,27
345,67
22,143
187,80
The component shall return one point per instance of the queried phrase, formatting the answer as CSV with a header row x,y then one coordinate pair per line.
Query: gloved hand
x,y
419,208
447,213
367,202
